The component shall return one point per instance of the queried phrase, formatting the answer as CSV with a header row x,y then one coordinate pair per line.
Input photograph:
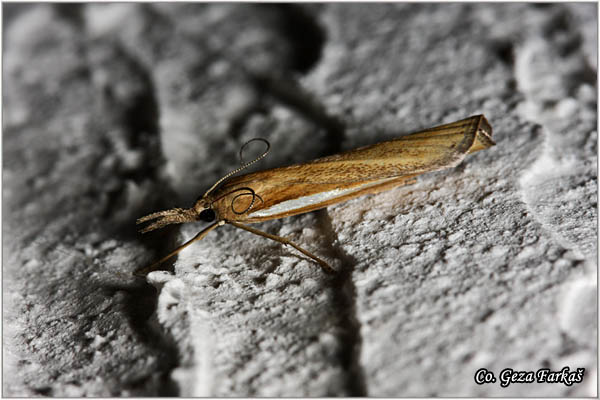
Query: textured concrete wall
x,y
115,110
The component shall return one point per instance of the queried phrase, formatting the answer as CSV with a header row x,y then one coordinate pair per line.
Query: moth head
x,y
203,210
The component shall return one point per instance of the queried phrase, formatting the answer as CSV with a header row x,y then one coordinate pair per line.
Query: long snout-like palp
x,y
167,217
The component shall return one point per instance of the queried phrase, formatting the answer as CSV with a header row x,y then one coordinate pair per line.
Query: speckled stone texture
x,y
112,111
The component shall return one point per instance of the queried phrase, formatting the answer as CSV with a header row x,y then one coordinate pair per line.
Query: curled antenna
x,y
252,193
244,166
254,196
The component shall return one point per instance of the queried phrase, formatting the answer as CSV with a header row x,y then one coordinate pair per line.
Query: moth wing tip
x,y
484,131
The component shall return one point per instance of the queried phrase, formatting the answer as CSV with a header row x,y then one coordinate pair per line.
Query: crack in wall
x,y
287,91
72,352
302,31
345,301
305,38
135,112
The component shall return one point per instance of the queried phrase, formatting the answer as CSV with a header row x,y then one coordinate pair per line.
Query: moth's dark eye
x,y
207,215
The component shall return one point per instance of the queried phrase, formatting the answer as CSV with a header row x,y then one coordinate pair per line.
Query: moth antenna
x,y
244,166
252,193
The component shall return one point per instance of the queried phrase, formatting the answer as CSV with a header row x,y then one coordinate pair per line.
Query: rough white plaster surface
x,y
115,110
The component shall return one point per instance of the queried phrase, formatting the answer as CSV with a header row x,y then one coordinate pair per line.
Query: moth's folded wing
x,y
304,187
429,150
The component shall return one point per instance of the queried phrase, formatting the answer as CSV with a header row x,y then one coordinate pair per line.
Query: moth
x,y
296,189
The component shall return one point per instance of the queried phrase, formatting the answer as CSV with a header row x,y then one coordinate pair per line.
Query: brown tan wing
x,y
304,187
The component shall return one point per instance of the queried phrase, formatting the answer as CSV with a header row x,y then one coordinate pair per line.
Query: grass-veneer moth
x,y
296,189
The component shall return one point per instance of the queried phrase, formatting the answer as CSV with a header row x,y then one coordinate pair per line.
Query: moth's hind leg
x,y
326,267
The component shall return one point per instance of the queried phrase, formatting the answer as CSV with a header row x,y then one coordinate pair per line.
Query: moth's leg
x,y
199,236
326,267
